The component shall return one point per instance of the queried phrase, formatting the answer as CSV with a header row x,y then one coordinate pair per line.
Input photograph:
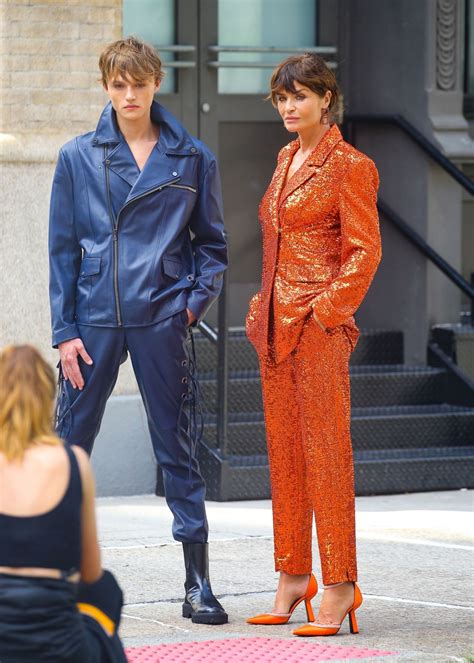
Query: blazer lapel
x,y
278,181
304,172
314,160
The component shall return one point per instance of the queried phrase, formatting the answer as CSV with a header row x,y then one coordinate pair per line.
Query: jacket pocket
x,y
172,267
351,330
90,266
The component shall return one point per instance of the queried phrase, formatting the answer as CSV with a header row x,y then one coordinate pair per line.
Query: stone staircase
x,y
409,433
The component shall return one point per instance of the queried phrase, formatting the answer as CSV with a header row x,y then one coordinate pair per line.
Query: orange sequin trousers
x,y
307,416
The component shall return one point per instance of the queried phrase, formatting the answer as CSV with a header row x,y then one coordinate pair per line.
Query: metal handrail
x,y
208,331
220,338
445,163
426,249
222,369
434,152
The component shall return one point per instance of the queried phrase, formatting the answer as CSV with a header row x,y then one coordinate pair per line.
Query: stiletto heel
x,y
353,622
309,610
331,629
275,619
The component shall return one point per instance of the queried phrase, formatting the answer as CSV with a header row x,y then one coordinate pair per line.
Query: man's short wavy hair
x,y
130,58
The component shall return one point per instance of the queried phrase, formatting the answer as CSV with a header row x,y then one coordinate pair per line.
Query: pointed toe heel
x,y
309,610
314,629
353,622
276,619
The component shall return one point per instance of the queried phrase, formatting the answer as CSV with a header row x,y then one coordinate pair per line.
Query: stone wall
x,y
50,93
49,70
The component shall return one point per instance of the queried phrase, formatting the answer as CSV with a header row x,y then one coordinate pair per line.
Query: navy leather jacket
x,y
130,248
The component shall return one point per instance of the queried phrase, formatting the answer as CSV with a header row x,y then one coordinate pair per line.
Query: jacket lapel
x,y
161,166
122,162
278,180
158,170
316,159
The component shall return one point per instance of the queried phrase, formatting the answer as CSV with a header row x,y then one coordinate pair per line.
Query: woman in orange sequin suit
x,y
321,248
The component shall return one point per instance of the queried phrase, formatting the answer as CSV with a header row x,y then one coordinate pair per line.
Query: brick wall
x,y
49,93
48,70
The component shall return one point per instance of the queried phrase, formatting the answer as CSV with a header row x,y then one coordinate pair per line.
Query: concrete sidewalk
x,y
415,571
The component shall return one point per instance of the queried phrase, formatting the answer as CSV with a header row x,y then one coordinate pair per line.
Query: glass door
x,y
241,41
172,27
219,55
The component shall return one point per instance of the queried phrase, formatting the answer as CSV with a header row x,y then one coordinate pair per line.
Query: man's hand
x,y
68,352
191,316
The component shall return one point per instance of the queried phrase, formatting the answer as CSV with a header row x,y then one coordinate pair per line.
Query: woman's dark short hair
x,y
309,70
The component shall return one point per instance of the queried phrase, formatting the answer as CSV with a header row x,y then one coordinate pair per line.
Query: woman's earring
x,y
325,116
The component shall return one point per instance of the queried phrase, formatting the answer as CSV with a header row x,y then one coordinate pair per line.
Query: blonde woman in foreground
x,y
56,602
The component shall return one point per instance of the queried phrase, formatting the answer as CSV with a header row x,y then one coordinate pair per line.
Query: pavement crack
x,y
180,600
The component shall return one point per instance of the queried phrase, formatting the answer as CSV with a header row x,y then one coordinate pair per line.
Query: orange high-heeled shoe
x,y
277,618
315,629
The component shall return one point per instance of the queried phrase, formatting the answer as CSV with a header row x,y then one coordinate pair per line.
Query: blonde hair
x,y
131,58
27,392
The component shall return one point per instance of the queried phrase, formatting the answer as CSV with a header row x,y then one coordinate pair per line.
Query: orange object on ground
x,y
321,247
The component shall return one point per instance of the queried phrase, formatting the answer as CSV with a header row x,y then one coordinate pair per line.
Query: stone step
x,y
374,347
370,386
420,426
376,472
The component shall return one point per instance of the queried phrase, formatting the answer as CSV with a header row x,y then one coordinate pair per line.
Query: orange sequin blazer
x,y
321,243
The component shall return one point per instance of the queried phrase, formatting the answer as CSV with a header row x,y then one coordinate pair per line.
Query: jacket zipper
x,y
114,222
115,225
182,186
147,193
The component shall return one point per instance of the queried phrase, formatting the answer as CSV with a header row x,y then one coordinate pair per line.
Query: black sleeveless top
x,y
51,540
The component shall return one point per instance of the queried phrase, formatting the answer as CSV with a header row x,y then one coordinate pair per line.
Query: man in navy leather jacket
x,y
137,254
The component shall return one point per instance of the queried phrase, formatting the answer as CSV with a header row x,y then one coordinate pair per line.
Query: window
x,y
153,22
260,23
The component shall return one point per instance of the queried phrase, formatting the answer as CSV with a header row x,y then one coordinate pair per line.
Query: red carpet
x,y
248,650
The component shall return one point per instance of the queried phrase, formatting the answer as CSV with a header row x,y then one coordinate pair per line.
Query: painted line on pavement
x,y
430,604
415,542
142,546
154,621
377,597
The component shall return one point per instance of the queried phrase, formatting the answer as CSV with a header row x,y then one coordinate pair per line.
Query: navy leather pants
x,y
162,364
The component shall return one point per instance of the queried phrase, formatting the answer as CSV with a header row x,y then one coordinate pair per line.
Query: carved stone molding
x,y
446,44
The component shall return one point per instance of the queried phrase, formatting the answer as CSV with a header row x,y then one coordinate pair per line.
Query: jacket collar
x,y
317,158
325,146
173,136
162,165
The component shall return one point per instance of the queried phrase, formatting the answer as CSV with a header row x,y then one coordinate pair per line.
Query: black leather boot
x,y
200,604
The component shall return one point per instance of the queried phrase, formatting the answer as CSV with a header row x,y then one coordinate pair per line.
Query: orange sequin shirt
x,y
321,243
